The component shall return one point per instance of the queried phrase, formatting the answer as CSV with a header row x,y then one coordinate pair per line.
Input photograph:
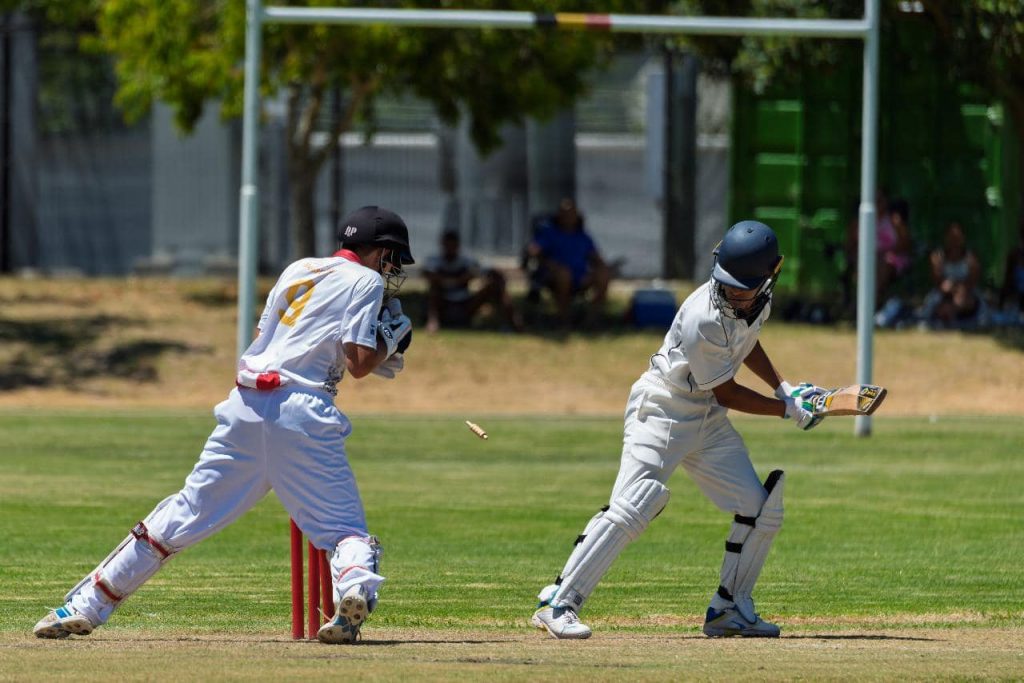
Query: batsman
x,y
677,414
279,429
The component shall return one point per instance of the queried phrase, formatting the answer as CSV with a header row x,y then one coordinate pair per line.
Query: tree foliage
x,y
980,42
984,38
189,53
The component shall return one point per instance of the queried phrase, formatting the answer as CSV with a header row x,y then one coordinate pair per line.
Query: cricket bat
x,y
856,399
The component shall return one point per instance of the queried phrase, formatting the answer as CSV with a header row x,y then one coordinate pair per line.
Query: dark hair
x,y
901,207
450,234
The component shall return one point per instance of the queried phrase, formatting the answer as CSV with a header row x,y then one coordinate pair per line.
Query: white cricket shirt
x,y
703,348
317,305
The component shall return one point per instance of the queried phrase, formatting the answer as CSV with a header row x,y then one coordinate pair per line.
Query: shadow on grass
x,y
61,352
860,636
59,334
1010,337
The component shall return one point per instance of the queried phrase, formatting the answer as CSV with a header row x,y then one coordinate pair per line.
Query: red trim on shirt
x,y
348,254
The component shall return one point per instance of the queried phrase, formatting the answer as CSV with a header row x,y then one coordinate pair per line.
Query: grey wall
x,y
194,189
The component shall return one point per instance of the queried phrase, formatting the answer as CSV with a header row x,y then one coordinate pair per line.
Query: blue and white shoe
x,y
63,622
729,622
349,614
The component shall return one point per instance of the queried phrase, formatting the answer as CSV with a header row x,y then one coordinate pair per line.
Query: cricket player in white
x,y
279,429
677,414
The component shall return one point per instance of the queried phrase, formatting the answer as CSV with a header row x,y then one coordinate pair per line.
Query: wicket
x,y
321,594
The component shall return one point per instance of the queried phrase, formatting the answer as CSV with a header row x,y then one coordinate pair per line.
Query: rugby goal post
x,y
865,29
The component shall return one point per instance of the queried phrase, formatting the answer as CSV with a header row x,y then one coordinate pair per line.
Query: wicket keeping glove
x,y
391,310
396,331
390,367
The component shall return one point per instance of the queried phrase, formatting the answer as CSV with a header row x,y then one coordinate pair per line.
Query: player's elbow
x,y
725,394
360,360
360,369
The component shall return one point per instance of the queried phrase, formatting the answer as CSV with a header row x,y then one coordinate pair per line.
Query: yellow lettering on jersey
x,y
297,295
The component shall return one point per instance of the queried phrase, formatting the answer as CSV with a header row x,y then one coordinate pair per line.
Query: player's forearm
x,y
759,363
361,360
738,397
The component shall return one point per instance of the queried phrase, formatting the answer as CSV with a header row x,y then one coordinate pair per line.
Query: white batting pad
x,y
356,560
120,573
132,563
607,533
748,546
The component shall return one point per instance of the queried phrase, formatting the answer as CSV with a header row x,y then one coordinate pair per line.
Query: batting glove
x,y
390,367
804,390
802,413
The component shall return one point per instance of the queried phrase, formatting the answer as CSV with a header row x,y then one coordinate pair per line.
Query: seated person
x,y
1011,294
450,301
892,244
569,261
955,274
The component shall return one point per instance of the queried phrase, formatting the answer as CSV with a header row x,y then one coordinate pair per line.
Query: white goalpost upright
x,y
865,29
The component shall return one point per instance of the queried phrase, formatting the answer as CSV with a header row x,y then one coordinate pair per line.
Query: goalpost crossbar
x,y
866,29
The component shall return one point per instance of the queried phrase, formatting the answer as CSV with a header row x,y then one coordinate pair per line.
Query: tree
x,y
188,53
985,39
982,41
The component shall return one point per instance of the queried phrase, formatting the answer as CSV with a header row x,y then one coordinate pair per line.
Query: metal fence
x,y
93,195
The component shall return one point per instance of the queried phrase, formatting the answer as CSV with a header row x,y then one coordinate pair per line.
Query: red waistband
x,y
265,381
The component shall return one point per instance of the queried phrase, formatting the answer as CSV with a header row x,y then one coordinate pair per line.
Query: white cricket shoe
x,y
729,622
63,622
560,622
349,614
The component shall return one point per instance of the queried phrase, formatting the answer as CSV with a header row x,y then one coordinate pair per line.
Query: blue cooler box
x,y
653,308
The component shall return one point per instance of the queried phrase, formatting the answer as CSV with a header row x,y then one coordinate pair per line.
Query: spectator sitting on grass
x,y
570,263
954,301
1011,294
450,300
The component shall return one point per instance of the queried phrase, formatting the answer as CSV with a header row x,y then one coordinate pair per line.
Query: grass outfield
x,y
900,557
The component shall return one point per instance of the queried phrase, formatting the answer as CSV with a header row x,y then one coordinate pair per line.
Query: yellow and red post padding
x,y
320,599
590,22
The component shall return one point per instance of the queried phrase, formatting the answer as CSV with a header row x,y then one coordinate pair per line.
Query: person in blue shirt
x,y
570,263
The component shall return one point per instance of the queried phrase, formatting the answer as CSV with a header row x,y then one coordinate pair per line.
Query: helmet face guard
x,y
763,293
392,270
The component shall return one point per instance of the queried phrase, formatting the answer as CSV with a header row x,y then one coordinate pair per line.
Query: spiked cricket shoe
x,y
349,614
560,622
729,622
63,622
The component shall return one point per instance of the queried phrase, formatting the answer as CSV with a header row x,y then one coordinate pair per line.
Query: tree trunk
x,y
305,159
302,204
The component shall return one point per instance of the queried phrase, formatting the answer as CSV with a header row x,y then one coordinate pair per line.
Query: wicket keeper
x,y
279,429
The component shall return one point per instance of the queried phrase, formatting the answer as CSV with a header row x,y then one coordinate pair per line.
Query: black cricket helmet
x,y
747,258
379,227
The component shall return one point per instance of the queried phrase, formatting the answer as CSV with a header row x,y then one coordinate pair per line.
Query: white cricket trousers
x,y
664,429
291,440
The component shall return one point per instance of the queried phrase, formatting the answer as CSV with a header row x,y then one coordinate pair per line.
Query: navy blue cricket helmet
x,y
747,258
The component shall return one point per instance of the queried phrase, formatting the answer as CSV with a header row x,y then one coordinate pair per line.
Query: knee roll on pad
x,y
605,536
135,559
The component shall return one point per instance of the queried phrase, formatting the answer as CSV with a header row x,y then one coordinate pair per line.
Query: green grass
x,y
918,525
